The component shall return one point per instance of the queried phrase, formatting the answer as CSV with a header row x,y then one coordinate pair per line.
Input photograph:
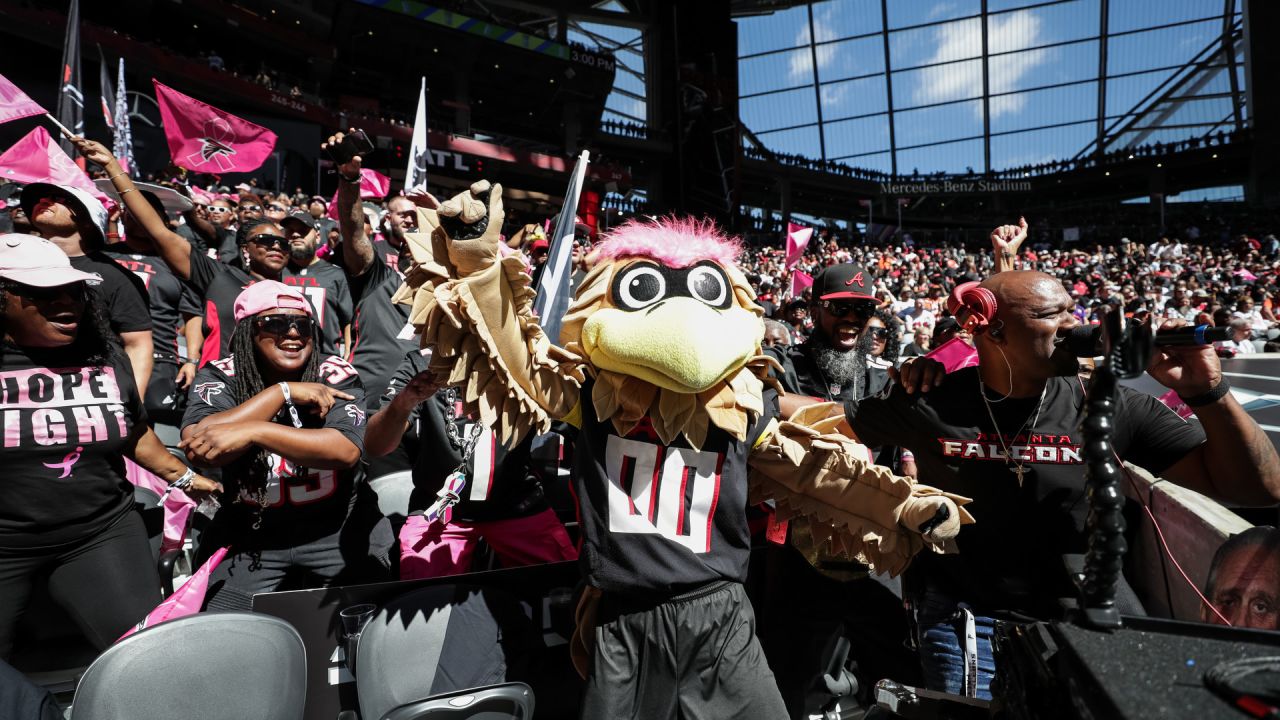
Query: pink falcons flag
x,y
797,241
204,139
186,600
799,281
14,104
36,158
373,186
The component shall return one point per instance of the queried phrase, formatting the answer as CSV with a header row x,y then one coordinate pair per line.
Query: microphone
x,y
1084,340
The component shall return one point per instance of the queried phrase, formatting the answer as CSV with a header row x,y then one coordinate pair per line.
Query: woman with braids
x,y
263,243
286,426
72,414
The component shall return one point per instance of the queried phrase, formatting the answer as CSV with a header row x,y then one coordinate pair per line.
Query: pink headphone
x,y
978,302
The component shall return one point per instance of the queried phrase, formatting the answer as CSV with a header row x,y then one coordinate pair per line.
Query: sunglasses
x,y
276,208
280,325
878,333
267,240
218,209
842,309
45,294
250,208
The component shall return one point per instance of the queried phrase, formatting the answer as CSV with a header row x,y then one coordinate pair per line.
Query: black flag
x,y
71,95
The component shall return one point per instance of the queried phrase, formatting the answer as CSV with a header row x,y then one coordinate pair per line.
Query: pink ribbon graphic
x,y
216,145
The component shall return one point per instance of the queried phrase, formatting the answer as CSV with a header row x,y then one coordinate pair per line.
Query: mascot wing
x,y
837,501
474,310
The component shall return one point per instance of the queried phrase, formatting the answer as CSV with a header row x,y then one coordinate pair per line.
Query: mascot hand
x,y
472,222
935,517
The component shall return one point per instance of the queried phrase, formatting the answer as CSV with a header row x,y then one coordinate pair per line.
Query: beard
x,y
302,255
839,367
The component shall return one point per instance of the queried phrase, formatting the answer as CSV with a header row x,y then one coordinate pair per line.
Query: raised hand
x,y
1006,240
472,221
93,151
350,169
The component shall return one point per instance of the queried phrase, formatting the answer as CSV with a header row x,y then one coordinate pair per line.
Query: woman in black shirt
x,y
286,423
71,413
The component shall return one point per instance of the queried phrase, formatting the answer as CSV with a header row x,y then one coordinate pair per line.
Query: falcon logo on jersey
x,y
205,391
355,413
660,490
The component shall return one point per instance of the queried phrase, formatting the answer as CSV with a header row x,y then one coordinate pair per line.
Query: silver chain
x,y
466,445
1028,425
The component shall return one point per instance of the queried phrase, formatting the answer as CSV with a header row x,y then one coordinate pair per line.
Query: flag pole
x,y
59,125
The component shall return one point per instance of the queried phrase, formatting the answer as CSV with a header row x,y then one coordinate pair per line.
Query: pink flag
x,y
797,241
14,104
1245,275
205,139
799,281
954,354
36,158
373,185
186,600
177,506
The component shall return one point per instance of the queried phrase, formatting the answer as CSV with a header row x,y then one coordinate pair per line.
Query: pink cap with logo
x,y
269,295
34,261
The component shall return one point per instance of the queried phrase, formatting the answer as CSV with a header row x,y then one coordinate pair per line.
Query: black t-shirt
x,y
500,484
810,380
123,296
1011,558
218,285
662,519
225,248
299,508
326,288
171,300
376,349
66,427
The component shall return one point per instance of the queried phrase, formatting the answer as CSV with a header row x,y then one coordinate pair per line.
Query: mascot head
x,y
665,303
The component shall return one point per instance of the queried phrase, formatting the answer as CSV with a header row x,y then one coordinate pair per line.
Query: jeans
x,y
955,646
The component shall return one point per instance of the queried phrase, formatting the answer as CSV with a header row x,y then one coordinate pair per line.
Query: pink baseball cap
x,y
34,261
269,295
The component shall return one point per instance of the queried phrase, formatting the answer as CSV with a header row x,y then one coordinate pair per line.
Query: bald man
x,y
1244,581
1005,433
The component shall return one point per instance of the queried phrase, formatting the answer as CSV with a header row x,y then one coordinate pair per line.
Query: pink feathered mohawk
x,y
676,242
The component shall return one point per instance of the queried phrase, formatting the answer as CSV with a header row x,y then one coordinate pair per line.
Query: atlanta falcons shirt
x,y
326,288
219,285
301,505
1011,557
661,519
66,428
171,300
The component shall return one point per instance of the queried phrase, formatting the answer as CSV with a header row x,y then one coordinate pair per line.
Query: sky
x,y
1043,78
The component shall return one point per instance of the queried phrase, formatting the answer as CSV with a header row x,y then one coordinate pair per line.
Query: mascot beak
x,y
679,343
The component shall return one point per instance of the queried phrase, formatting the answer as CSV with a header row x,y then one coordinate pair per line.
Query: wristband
x,y
113,177
284,390
1222,388
288,401
353,180
183,482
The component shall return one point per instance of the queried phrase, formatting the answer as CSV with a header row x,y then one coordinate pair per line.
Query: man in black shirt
x,y
830,365
76,222
323,283
1005,433
377,343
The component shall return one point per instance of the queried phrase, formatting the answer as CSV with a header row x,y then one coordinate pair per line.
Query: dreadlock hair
x,y
251,470
96,343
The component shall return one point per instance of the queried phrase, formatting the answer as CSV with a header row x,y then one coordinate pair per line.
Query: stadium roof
x,y
959,85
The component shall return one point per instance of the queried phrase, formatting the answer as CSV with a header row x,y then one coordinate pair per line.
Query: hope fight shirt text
x,y
65,429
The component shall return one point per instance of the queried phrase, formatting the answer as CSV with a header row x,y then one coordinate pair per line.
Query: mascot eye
x,y
640,287
708,284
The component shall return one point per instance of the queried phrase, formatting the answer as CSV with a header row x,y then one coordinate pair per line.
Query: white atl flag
x,y
415,176
553,287
122,148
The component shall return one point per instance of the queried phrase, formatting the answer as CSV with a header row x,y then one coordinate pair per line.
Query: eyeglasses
x,y
280,325
218,209
842,309
268,241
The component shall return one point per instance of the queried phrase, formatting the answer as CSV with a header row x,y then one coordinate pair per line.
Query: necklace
x,y
1017,468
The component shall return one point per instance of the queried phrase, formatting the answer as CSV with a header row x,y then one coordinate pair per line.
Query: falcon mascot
x,y
660,369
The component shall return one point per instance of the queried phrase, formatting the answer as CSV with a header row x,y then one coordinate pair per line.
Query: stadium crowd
x,y
278,358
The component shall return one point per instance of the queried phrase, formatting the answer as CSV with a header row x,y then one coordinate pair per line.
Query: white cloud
x,y
801,65
1007,32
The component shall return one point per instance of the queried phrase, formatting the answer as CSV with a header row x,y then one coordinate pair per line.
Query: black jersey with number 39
x,y
661,519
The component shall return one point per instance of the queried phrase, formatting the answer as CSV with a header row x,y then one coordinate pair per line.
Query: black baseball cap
x,y
302,217
845,281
